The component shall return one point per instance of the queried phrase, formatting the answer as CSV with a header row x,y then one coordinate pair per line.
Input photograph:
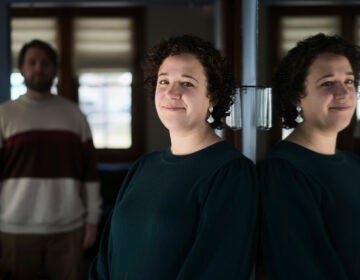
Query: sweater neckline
x,y
28,100
302,151
168,157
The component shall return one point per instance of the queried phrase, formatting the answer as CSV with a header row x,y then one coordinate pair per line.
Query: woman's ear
x,y
296,103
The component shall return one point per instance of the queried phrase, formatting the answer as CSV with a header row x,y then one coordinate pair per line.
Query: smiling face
x,y
330,94
181,97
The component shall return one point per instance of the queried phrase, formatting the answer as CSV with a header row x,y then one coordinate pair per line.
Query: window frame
x,y
67,82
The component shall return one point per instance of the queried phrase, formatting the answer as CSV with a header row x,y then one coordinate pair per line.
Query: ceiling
x,y
190,2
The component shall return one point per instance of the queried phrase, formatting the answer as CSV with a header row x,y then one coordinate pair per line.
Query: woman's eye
x,y
162,82
328,84
349,82
187,84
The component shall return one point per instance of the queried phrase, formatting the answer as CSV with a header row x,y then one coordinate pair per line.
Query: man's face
x,y
38,70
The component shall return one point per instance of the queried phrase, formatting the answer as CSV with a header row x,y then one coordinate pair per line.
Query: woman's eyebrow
x,y
190,77
331,75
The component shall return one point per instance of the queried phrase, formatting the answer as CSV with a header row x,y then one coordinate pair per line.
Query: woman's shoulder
x,y
225,159
299,155
224,149
282,154
225,154
288,159
285,150
349,156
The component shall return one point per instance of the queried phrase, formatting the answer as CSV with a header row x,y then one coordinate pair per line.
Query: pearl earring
x,y
210,118
299,118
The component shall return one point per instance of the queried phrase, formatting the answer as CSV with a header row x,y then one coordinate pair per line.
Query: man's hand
x,y
90,234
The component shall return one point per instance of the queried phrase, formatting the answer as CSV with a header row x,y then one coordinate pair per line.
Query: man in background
x,y
49,193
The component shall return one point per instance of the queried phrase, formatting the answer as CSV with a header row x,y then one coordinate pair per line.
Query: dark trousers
x,y
42,256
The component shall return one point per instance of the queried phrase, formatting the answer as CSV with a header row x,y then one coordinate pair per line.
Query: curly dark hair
x,y
219,77
38,44
288,83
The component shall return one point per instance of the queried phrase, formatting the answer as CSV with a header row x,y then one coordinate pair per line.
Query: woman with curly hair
x,y
189,211
310,190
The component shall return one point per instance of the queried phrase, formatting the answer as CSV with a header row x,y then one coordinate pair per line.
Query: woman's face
x,y
330,94
181,94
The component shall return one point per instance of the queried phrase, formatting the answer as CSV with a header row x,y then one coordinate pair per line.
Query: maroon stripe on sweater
x,y
48,154
41,136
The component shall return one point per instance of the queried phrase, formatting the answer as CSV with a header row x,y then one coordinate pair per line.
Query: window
x,y
296,28
106,100
102,61
99,52
17,85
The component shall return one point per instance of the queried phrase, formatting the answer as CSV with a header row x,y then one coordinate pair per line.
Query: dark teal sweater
x,y
183,217
310,214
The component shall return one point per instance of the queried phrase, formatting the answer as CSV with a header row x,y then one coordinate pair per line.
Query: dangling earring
x,y
299,118
210,118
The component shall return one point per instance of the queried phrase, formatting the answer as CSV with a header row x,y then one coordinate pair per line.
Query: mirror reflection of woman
x,y
190,211
311,190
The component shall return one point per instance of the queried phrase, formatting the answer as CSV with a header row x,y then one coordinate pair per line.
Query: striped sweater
x,y
48,180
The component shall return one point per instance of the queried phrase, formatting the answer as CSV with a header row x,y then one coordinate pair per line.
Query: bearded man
x,y
49,192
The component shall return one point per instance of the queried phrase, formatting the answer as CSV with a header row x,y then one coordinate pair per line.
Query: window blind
x,y
24,30
296,28
102,43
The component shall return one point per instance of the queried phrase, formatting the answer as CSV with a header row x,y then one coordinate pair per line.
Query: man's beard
x,y
41,86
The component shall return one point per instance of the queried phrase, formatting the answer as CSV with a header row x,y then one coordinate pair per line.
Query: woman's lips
x,y
172,108
341,108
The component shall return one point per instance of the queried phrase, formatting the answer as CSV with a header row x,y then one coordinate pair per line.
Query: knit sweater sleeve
x,y
224,245
294,236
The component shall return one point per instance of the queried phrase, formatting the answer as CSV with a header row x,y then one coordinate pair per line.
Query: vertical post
x,y
5,55
218,12
249,51
217,23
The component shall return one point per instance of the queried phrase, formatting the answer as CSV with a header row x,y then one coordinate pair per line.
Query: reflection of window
x,y
105,98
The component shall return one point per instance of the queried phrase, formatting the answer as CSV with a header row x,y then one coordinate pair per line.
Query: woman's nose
x,y
342,89
173,91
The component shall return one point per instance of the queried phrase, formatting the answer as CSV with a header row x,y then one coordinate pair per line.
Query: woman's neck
x,y
183,144
323,143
